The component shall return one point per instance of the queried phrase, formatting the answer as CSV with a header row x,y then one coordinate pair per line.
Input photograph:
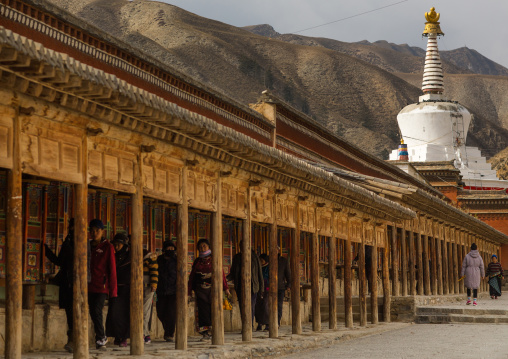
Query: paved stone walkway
x,y
261,345
421,341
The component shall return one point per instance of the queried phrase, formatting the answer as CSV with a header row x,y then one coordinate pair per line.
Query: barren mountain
x,y
352,89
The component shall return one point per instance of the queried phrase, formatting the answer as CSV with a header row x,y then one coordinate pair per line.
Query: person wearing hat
x,y
474,271
103,279
118,319
495,274
166,289
200,281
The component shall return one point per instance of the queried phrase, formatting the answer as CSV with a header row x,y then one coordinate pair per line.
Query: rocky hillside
x,y
356,90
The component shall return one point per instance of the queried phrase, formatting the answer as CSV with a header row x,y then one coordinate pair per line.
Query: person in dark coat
x,y
283,282
166,290
262,303
256,276
118,319
200,281
103,279
65,260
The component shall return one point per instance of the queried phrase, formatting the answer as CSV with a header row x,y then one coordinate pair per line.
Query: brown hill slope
x,y
354,99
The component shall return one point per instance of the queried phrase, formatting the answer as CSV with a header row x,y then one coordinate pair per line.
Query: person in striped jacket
x,y
150,279
495,274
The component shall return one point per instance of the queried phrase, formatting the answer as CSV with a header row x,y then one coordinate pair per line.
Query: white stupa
x,y
435,129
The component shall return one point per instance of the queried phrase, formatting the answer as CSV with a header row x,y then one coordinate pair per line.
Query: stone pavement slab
x,y
261,346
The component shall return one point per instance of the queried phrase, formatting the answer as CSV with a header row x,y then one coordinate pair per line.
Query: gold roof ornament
x,y
432,24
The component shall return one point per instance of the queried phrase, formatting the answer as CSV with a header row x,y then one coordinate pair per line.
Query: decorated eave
x,y
28,67
421,201
302,122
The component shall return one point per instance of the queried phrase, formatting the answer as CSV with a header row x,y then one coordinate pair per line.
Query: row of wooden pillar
x,y
430,266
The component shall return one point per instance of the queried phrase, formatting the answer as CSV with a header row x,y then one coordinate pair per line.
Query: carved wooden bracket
x,y
147,149
94,131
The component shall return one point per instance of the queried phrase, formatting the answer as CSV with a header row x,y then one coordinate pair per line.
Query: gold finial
x,y
401,141
432,24
432,15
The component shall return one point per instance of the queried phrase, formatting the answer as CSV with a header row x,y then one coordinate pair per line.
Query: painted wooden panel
x,y
163,181
369,234
51,154
261,205
6,122
340,226
286,212
381,237
202,190
355,231
325,223
233,200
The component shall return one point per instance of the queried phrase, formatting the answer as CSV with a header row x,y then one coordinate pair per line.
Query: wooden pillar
x,y
419,256
182,267
296,324
446,279
348,292
136,249
439,265
426,264
450,267
404,259
314,269
332,283
460,258
14,250
363,282
273,285
395,262
217,286
386,278
80,269
455,268
433,268
374,290
411,262
246,274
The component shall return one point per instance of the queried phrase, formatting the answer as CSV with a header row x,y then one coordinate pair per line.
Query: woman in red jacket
x,y
103,279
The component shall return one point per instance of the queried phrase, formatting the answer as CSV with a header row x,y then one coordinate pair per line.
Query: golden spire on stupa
x,y
432,24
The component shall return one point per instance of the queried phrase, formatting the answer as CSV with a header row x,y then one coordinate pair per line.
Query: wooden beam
x,y
411,262
404,259
14,250
80,270
314,268
395,262
332,283
273,285
386,278
296,324
246,274
217,286
446,278
363,282
136,249
426,264
182,267
439,265
433,267
450,268
373,286
348,292
419,257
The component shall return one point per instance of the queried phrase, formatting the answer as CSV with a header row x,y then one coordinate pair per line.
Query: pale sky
x,y
479,25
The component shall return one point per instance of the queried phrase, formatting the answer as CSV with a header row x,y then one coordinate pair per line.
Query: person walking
x,y
495,274
200,281
150,279
65,260
118,319
283,283
262,303
256,277
473,269
166,290
102,281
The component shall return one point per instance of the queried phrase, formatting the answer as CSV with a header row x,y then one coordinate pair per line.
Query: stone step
x,y
460,318
464,311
